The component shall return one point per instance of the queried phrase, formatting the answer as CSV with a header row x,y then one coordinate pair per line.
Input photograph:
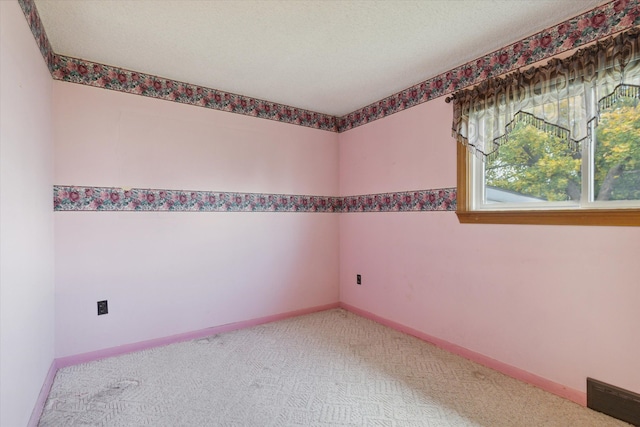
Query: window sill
x,y
629,217
604,217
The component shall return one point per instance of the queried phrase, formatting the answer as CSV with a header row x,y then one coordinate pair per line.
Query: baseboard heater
x,y
613,401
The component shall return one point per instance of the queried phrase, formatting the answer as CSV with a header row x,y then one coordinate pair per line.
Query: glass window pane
x,y
533,166
617,153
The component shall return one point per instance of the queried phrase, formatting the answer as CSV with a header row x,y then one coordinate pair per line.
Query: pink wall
x,y
107,138
167,273
26,219
559,302
379,158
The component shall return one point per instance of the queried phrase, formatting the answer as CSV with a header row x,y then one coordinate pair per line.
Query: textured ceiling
x,y
332,57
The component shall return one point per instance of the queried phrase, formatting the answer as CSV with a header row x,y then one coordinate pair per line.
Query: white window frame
x,y
587,216
587,200
608,213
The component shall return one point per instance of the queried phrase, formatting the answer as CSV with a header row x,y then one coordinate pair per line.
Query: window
x,y
558,144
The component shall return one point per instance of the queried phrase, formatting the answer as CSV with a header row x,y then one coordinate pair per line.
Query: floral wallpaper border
x,y
406,201
597,23
35,24
80,71
76,70
602,21
81,198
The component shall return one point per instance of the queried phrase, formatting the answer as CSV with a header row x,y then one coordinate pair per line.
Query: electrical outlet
x,y
103,308
358,279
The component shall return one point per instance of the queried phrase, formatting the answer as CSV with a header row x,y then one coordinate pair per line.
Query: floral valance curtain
x,y
564,97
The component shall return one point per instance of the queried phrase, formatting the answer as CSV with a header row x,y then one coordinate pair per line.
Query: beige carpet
x,y
326,369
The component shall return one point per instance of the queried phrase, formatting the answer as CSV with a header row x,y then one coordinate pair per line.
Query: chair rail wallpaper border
x,y
86,198
441,199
